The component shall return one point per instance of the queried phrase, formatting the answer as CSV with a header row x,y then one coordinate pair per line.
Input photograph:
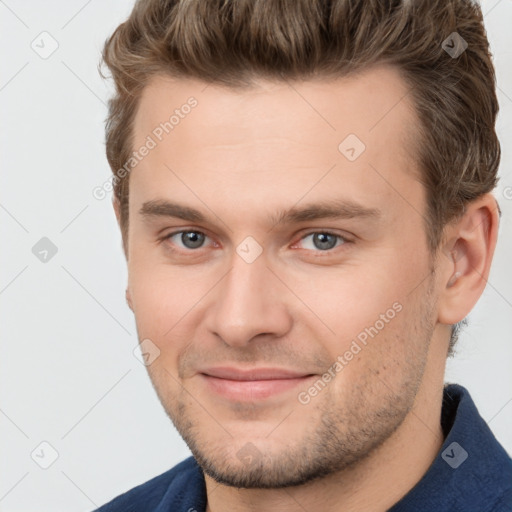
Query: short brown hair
x,y
232,42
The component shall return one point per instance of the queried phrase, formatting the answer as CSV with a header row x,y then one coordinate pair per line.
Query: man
x,y
304,194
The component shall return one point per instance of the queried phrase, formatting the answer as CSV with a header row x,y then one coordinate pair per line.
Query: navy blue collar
x,y
472,472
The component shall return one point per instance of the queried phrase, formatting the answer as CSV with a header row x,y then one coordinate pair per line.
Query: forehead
x,y
277,139
367,101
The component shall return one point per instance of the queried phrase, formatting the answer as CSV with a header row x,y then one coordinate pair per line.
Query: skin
x,y
240,157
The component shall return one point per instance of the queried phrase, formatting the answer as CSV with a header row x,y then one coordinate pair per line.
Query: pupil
x,y
191,239
324,240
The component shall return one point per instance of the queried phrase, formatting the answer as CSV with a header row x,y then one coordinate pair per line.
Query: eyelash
x,y
345,240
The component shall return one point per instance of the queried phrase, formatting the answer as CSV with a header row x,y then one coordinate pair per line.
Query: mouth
x,y
255,384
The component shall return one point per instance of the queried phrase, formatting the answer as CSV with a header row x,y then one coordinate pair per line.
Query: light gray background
x,y
68,373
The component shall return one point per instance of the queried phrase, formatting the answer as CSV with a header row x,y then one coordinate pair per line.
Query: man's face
x,y
345,302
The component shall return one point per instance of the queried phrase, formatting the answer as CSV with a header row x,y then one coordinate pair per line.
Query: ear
x,y
128,298
117,209
465,258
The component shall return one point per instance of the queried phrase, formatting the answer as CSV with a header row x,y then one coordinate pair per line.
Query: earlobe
x,y
465,261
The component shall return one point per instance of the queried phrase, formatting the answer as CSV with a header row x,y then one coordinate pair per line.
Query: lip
x,y
231,373
252,384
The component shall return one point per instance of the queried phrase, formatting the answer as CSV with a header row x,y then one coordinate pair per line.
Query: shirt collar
x,y
472,471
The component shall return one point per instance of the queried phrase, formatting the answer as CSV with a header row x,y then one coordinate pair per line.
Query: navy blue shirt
x,y
471,473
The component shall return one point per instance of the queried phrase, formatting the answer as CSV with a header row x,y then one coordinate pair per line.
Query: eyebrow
x,y
329,209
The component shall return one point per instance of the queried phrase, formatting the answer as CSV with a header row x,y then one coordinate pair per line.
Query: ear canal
x,y
453,279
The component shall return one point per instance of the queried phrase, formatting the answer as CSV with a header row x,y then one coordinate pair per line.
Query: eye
x,y
322,240
187,239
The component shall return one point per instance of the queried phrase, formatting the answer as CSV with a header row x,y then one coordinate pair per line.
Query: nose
x,y
249,302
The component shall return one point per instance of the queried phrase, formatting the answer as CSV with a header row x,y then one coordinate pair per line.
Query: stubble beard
x,y
348,428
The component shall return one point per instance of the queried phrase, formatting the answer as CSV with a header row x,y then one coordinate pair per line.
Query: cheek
x,y
351,299
383,359
160,296
367,312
